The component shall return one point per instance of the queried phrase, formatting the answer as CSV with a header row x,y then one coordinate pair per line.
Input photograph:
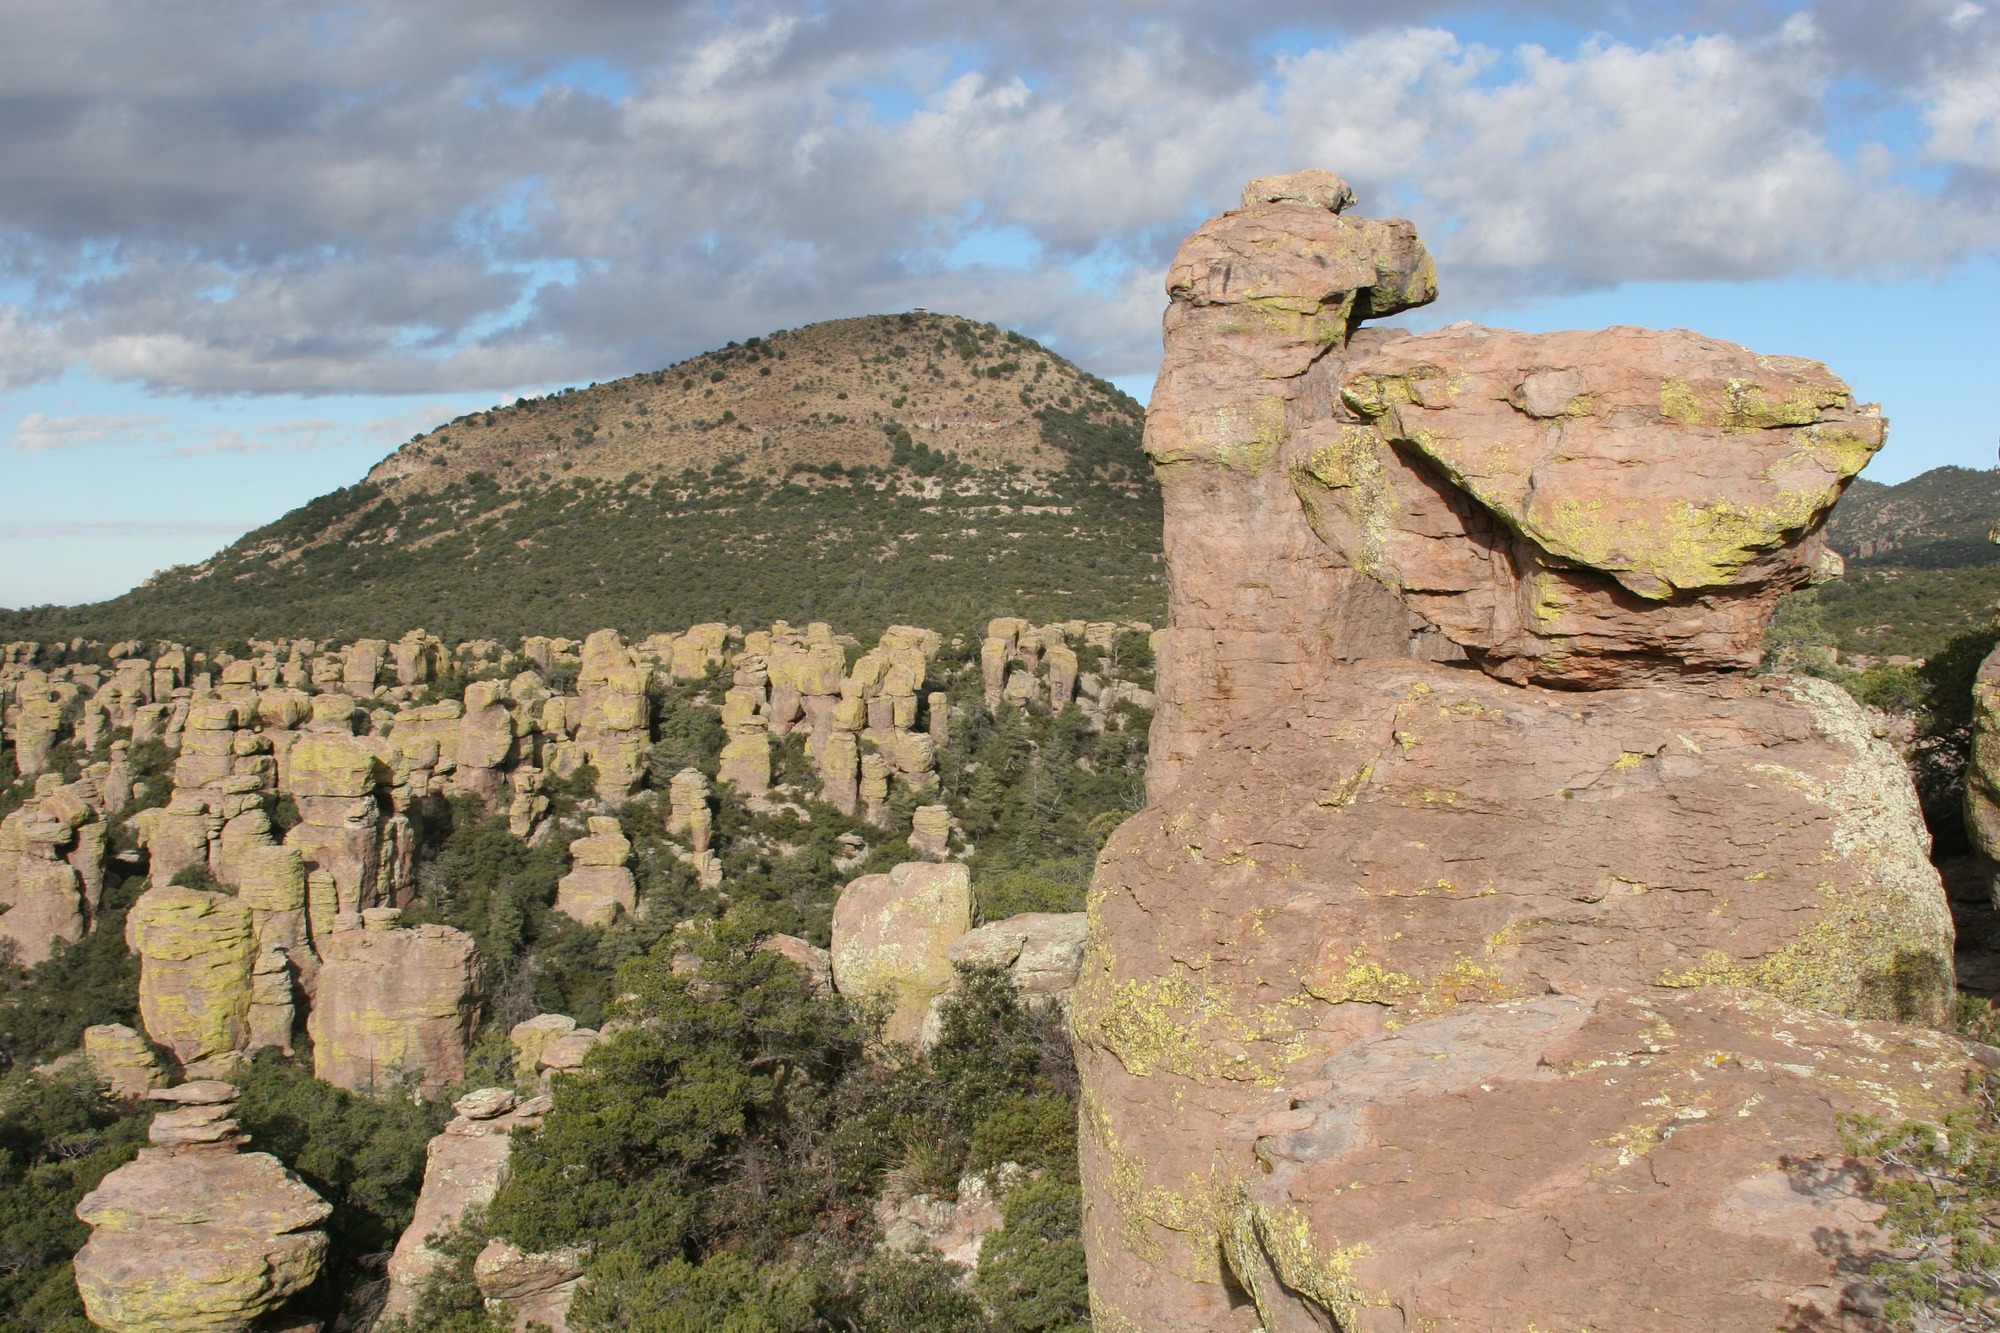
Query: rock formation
x,y
194,1236
600,885
394,1004
463,1168
51,870
1982,769
536,1288
930,831
121,1060
891,934
195,952
1457,795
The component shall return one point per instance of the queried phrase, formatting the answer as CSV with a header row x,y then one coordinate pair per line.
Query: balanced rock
x,y
892,936
193,1236
1353,976
395,1005
600,885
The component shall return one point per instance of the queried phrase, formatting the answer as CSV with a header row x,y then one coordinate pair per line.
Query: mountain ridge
x,y
863,470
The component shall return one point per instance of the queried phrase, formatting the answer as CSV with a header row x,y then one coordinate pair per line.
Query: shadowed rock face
x,y
1459,799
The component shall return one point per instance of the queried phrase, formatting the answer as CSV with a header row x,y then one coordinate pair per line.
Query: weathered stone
x,y
122,1060
1353,975
197,1239
874,788
600,886
1710,1174
613,731
195,951
537,1288
746,761
688,814
463,1168
1041,951
930,831
532,1036
1982,770
839,764
815,962
394,1005
892,935
567,1051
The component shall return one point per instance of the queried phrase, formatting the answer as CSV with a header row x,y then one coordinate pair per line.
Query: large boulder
x,y
1357,977
394,1006
193,1236
892,936
195,953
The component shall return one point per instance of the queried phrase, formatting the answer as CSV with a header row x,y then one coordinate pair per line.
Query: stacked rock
x,y
930,831
51,868
194,1234
599,887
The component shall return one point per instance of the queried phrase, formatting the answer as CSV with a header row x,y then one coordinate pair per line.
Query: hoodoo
x,y
1494,952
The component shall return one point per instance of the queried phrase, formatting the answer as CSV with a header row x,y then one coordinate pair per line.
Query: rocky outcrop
x,y
463,1168
1982,769
1041,952
600,886
51,871
121,1060
394,1006
195,951
1396,901
891,939
534,1289
194,1236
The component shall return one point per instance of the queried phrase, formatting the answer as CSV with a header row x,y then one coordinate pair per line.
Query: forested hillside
x,y
912,467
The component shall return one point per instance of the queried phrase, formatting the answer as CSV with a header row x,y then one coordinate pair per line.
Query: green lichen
x,y
1264,1242
1351,469
1356,979
1678,403
1744,406
1177,1023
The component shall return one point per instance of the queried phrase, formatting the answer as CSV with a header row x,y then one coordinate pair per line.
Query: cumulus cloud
x,y
382,197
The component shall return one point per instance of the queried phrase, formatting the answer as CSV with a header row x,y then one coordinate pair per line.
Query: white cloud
x,y
38,433
343,200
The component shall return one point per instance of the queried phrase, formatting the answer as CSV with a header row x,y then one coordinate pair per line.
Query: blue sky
x,y
244,253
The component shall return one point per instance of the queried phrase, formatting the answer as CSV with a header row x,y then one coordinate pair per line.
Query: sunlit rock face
x,y
1460,797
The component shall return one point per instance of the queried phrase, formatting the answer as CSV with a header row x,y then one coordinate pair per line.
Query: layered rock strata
x,y
1459,798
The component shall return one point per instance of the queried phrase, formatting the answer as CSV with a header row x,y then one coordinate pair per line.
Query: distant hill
x,y
1940,520
915,467
1921,566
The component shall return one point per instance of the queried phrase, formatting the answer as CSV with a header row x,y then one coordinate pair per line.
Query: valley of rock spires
x,y
1495,950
